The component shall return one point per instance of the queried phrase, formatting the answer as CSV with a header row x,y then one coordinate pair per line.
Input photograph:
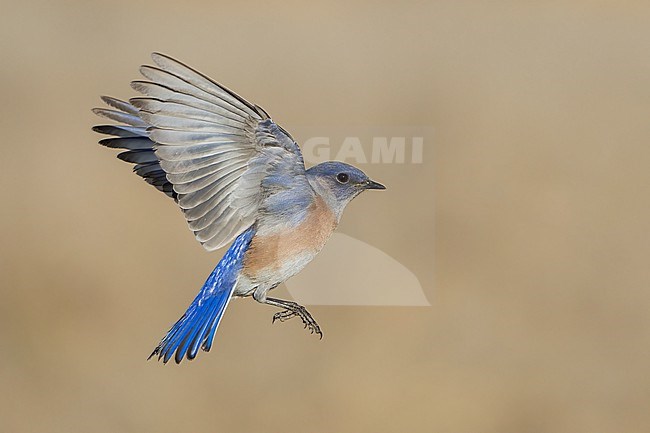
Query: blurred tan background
x,y
527,224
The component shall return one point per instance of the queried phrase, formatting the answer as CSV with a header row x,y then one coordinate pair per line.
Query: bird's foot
x,y
311,324
294,310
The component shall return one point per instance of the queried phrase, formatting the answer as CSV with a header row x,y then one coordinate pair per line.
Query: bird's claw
x,y
307,320
283,316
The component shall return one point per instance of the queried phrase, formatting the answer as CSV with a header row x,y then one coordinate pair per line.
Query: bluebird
x,y
239,179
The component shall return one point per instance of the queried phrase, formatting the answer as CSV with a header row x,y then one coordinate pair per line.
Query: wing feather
x,y
204,83
219,230
120,105
222,167
222,158
181,110
181,123
187,202
185,165
120,116
188,153
177,84
167,95
187,188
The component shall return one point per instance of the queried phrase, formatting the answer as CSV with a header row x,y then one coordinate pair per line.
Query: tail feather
x,y
206,333
207,344
197,327
193,341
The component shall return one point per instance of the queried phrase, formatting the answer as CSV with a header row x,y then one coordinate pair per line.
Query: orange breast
x,y
273,254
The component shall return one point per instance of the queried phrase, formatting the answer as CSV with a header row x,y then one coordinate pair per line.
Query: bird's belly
x,y
277,273
270,262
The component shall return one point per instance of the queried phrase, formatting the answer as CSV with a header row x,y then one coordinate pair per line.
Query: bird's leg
x,y
293,309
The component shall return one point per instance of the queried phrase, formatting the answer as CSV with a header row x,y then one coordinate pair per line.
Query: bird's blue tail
x,y
199,323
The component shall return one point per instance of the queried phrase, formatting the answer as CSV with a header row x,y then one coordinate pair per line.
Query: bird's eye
x,y
342,177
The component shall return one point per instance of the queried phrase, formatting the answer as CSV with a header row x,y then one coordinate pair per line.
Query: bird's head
x,y
339,183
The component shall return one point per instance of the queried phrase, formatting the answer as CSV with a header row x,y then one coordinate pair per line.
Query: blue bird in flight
x,y
238,177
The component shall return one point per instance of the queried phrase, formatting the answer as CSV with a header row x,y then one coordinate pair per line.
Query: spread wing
x,y
221,158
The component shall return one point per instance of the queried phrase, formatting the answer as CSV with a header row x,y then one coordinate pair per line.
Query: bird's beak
x,y
371,184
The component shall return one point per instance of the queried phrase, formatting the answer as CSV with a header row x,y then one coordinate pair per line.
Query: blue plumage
x,y
199,324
